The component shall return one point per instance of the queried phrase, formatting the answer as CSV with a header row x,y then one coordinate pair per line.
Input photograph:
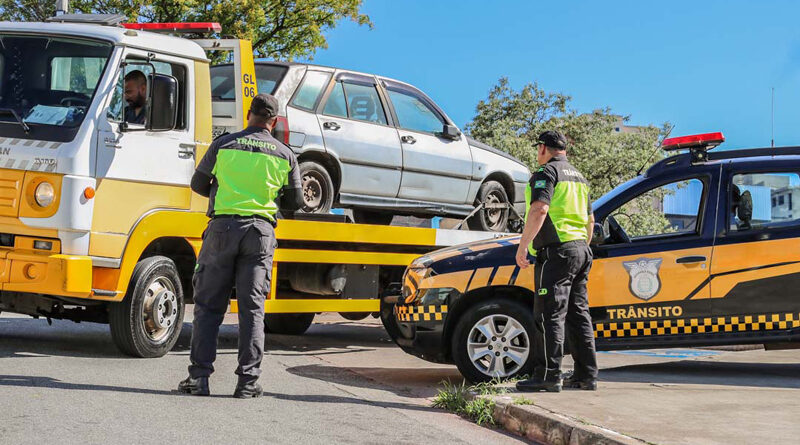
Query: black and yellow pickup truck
x,y
702,249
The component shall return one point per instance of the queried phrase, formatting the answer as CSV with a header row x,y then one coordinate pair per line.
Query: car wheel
x,y
288,324
490,220
148,321
368,217
317,188
493,340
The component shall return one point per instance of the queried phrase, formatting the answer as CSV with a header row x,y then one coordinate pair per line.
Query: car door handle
x,y
408,139
691,259
186,151
111,142
331,126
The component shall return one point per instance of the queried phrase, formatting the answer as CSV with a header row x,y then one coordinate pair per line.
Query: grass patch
x,y
458,398
520,400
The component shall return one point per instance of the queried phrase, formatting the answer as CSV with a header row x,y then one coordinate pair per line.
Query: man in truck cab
x,y
135,97
558,229
243,174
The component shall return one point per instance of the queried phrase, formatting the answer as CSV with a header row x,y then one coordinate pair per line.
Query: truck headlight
x,y
44,194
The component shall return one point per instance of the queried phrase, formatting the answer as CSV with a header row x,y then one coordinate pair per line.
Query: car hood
x,y
494,252
482,146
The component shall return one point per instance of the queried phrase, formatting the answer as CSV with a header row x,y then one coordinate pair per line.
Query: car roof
x,y
750,157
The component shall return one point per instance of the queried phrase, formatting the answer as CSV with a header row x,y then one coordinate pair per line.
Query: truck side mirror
x,y
599,234
162,113
450,132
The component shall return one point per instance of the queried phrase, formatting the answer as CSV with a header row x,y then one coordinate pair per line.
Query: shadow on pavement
x,y
416,382
696,372
338,399
48,382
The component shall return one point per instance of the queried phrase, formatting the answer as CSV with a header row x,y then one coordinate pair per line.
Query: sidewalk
x,y
669,397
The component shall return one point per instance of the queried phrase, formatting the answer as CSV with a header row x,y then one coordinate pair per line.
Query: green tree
x,y
511,120
279,29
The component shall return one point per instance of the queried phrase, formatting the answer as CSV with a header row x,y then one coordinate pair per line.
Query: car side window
x,y
313,84
672,208
415,114
336,104
763,200
133,87
363,103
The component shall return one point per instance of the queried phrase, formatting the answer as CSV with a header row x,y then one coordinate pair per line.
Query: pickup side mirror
x,y
599,234
162,114
450,132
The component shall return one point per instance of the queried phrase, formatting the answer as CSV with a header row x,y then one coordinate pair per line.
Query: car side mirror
x,y
162,113
450,132
599,234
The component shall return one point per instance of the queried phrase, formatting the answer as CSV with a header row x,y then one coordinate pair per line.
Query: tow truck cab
x,y
702,249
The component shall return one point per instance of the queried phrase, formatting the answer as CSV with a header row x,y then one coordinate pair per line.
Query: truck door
x,y
432,165
142,169
651,272
755,273
355,129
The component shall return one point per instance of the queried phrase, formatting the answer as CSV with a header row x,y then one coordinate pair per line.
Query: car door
x,y
651,271
356,130
755,273
434,168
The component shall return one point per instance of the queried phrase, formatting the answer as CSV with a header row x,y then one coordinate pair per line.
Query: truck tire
x,y
370,217
148,321
288,324
490,220
493,339
317,188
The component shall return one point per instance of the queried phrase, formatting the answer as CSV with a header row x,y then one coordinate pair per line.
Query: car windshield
x,y
48,80
616,191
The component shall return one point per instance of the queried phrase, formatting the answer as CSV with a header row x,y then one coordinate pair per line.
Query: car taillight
x,y
281,130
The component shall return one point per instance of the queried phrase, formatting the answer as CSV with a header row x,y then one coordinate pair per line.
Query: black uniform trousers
x,y
561,273
236,252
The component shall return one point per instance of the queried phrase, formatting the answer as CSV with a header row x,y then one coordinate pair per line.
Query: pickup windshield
x,y
47,80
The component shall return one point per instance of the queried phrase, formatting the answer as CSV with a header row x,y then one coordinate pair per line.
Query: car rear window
x,y
313,84
268,77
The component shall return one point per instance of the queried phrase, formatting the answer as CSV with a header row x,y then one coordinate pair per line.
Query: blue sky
x,y
701,65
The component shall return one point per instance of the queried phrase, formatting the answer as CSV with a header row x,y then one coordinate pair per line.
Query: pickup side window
x,y
355,101
671,209
763,200
336,104
414,113
133,88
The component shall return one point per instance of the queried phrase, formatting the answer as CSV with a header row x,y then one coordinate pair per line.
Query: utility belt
x,y
548,251
272,222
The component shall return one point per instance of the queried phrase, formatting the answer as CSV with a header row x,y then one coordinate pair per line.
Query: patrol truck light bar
x,y
705,140
200,27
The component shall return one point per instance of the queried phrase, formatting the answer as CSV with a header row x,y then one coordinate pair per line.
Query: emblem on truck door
x,y
644,281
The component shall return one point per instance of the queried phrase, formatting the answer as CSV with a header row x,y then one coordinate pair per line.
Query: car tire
x,y
288,324
148,321
370,217
318,188
489,220
507,317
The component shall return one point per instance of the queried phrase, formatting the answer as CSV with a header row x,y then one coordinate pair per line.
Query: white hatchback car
x,y
380,147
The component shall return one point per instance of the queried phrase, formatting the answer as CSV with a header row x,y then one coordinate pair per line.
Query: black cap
x,y
553,139
264,105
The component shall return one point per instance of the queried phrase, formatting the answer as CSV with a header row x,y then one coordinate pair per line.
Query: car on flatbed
x,y
702,249
380,147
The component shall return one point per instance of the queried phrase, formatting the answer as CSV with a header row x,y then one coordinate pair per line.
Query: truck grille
x,y
10,191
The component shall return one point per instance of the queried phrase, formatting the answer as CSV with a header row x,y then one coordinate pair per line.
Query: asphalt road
x,y
343,382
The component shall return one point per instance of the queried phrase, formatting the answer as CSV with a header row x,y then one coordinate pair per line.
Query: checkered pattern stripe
x,y
747,323
13,142
420,313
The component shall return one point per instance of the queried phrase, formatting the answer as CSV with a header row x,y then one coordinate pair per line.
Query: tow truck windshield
x,y
47,82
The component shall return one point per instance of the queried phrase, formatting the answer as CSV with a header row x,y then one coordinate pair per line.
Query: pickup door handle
x,y
408,139
186,151
331,126
691,259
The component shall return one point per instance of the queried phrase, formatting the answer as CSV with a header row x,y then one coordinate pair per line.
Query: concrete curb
x,y
549,428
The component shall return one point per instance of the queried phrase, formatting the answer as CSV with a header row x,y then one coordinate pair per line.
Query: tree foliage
x,y
279,29
511,120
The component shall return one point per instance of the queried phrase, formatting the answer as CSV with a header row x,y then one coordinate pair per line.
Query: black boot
x,y
537,384
195,387
249,390
577,382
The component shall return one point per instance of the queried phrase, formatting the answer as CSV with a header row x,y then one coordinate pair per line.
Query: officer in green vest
x,y
558,228
243,174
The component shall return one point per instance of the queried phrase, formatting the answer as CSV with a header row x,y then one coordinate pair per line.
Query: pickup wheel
x,y
490,220
317,188
148,321
492,340
288,324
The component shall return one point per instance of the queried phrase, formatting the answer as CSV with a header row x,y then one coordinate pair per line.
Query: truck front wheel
x,y
148,321
288,324
493,340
